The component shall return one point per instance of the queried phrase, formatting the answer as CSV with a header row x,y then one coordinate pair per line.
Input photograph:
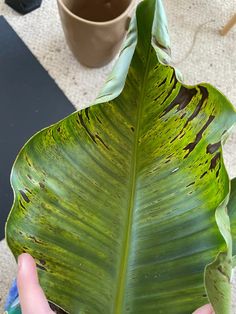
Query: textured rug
x,y
197,48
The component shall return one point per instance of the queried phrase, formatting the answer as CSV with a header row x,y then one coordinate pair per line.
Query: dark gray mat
x,y
29,101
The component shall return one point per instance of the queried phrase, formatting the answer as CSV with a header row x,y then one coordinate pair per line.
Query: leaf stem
x,y
119,302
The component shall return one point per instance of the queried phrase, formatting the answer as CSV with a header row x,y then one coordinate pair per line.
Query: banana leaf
x,y
123,204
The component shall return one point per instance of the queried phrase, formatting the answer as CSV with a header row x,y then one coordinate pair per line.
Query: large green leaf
x,y
123,204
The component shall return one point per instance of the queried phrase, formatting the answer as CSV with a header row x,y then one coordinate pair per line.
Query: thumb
x,y
206,309
32,298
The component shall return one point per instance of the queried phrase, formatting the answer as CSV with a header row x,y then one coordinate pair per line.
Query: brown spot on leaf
x,y
173,139
212,148
41,267
204,93
190,147
25,197
87,113
35,239
42,186
162,83
159,45
203,175
99,120
218,171
21,205
56,309
101,140
159,95
28,162
167,96
81,122
173,77
223,132
183,98
214,161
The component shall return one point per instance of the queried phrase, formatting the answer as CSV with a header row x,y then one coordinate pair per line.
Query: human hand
x,y
32,297
206,309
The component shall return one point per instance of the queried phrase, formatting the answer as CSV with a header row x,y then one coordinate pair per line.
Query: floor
x,y
197,50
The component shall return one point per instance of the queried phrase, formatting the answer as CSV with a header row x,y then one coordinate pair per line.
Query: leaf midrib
x,y
119,301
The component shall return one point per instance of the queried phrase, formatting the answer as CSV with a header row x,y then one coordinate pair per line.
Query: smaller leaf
x,y
218,274
232,214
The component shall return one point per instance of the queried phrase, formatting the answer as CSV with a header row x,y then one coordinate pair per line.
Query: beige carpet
x,y
198,51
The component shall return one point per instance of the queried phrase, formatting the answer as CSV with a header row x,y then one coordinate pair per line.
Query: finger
x,y
206,309
31,295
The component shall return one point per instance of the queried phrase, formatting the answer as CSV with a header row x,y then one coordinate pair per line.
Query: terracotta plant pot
x,y
95,29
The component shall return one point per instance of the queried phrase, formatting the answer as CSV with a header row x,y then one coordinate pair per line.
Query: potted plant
x,y
124,204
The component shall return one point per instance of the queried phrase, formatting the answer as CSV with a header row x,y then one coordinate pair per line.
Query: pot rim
x,y
78,18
